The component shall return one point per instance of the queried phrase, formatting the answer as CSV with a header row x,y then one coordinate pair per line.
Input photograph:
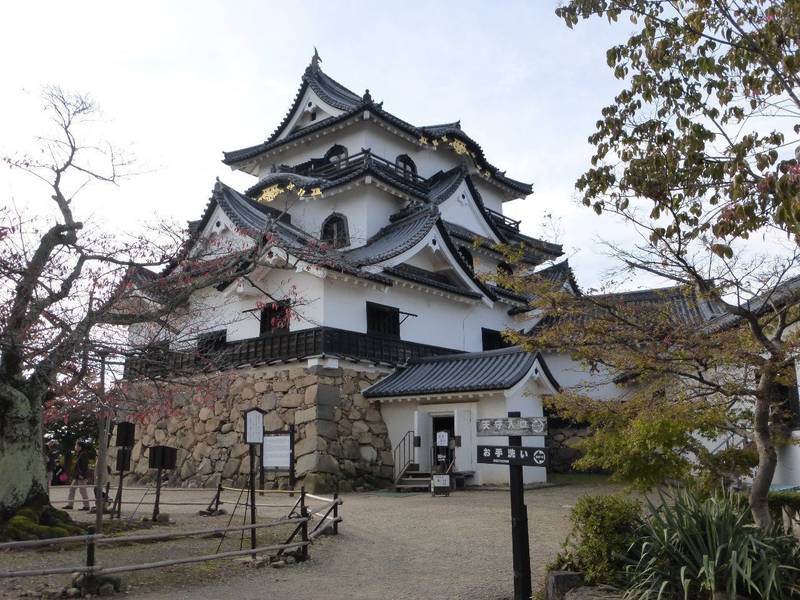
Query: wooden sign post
x,y
515,456
253,435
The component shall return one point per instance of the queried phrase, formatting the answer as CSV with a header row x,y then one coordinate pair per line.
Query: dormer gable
x,y
318,98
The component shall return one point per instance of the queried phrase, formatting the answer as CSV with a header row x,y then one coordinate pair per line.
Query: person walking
x,y
52,455
80,476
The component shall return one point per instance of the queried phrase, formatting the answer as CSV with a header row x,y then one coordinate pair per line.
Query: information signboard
x,y
440,485
254,427
512,455
442,439
277,452
511,426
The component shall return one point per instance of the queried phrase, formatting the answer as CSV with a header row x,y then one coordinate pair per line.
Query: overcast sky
x,y
179,82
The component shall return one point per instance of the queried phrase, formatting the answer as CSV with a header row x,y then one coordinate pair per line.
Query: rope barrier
x,y
102,538
152,565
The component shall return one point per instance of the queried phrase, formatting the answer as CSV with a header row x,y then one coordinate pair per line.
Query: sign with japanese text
x,y
254,426
442,439
277,452
512,455
440,485
511,426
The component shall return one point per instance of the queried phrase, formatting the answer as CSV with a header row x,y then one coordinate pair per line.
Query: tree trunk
x,y
767,460
100,470
24,479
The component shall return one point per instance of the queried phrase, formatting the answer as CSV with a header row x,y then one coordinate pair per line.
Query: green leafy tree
x,y
696,155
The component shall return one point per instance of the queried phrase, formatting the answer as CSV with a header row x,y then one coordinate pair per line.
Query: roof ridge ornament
x,y
315,60
367,96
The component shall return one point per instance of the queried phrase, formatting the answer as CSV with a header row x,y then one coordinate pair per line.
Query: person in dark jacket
x,y
52,455
80,476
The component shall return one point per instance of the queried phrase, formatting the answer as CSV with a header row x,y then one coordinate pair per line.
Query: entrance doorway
x,y
441,457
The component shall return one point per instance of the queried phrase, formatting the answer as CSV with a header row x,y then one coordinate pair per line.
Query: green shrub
x,y
603,529
34,522
692,546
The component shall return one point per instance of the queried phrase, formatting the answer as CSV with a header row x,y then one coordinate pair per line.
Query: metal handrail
x,y
403,454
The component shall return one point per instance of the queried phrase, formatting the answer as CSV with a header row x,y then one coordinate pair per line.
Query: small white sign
x,y
441,481
254,428
277,452
442,439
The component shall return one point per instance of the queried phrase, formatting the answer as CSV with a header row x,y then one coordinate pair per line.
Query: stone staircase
x,y
414,480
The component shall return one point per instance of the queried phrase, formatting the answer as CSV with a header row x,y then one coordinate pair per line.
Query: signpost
x,y
253,435
515,455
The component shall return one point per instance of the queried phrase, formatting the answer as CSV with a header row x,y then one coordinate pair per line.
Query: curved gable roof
x,y
469,372
396,238
338,96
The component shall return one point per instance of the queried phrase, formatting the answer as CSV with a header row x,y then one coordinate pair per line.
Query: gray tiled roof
x,y
396,238
429,278
342,98
475,371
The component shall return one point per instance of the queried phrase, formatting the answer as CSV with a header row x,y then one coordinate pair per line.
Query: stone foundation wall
x,y
341,439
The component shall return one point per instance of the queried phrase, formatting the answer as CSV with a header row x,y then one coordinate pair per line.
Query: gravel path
x,y
390,546
411,547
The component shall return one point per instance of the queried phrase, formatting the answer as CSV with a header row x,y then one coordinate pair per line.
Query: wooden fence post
x,y
304,528
336,513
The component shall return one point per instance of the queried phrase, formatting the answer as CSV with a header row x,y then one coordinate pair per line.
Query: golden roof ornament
x,y
269,194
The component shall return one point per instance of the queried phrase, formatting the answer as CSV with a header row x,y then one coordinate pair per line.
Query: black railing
x,y
403,455
503,220
343,166
281,346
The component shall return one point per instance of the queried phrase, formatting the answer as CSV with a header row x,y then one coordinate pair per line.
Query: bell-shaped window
x,y
405,166
334,231
337,155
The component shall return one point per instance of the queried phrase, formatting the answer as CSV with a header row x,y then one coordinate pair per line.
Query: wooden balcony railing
x,y
280,346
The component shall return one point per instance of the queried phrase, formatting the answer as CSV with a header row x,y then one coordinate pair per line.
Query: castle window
x,y
405,166
313,116
493,339
505,269
383,320
337,155
466,256
212,342
274,318
334,231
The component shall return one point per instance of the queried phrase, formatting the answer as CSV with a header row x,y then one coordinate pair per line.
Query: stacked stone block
x,y
341,439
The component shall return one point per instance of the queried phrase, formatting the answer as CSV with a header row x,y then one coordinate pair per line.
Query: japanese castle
x,y
371,322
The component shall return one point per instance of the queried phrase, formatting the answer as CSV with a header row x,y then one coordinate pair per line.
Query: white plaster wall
x,y
461,209
302,118
399,419
571,374
212,310
492,197
441,321
351,137
366,208
220,237
787,471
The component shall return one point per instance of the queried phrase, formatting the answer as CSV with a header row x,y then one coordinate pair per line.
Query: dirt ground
x,y
390,546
